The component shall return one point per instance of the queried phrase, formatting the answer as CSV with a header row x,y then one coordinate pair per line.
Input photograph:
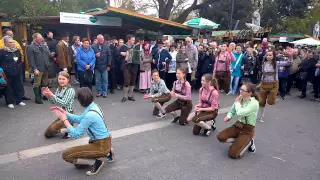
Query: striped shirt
x,y
64,99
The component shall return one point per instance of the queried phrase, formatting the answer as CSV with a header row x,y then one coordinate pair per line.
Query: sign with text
x,y
73,18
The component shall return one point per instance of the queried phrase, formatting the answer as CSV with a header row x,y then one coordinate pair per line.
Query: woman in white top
x,y
171,75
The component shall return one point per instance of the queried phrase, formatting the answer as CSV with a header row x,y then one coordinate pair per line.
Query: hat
x,y
160,42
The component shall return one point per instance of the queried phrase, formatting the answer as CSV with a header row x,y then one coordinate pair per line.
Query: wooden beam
x,y
88,32
1,31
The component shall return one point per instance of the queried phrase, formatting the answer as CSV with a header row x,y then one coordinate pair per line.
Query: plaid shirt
x,y
64,99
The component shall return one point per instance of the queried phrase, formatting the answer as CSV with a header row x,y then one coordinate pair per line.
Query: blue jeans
x,y
101,80
234,83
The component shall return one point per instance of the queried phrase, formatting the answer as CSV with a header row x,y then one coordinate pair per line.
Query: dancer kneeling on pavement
x,y
159,93
92,121
64,98
207,109
241,133
182,91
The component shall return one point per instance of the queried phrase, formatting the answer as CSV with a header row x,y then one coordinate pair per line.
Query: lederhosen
x,y
55,127
242,132
184,105
268,90
204,116
161,99
223,77
96,148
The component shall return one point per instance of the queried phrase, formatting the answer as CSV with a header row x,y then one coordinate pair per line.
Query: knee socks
x,y
126,90
261,113
158,105
81,161
203,125
131,88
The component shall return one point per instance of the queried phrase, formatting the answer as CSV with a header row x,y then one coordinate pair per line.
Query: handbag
x,y
88,76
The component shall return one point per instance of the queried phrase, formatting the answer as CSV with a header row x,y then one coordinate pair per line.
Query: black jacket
x,y
52,44
105,58
206,63
8,64
250,64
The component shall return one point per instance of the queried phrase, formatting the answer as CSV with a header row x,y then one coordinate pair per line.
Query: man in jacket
x,y
64,54
192,53
102,66
112,76
39,61
162,58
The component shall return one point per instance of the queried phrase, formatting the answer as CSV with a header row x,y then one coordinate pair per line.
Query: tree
x,y
219,12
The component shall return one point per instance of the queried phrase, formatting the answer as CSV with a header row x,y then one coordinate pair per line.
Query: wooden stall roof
x,y
144,21
288,35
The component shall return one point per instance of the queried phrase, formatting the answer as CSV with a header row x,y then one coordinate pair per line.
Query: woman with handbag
x,y
64,98
86,60
269,83
91,121
207,108
241,134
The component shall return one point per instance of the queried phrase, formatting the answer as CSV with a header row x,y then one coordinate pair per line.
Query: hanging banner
x,y
73,18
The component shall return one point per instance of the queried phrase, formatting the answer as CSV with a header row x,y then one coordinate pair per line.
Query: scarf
x,y
7,49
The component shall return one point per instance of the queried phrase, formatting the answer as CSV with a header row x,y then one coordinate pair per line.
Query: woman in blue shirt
x,y
92,122
236,70
86,60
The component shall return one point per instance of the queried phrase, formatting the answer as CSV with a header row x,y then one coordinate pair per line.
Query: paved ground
x,y
147,148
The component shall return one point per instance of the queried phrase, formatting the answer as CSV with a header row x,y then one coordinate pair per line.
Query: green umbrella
x,y
201,23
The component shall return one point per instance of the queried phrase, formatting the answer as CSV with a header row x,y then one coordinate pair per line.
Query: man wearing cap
x,y
161,59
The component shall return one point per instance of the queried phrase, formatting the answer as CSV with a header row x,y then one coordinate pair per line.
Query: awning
x,y
307,41
135,21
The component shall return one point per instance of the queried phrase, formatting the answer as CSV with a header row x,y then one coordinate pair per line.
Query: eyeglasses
x,y
243,90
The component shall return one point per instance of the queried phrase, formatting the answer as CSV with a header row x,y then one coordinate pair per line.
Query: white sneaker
x,y
11,106
160,115
261,120
22,104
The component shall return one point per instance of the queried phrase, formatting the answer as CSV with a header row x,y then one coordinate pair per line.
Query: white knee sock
x,y
131,88
158,105
126,90
81,161
174,114
230,140
210,123
245,149
203,125
261,113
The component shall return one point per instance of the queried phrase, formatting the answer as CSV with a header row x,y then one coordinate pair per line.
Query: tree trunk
x,y
165,9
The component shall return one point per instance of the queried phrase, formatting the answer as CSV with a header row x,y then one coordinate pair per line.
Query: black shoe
x,y
44,98
66,136
95,168
302,96
112,91
110,156
288,93
131,98
176,119
26,98
124,99
214,127
38,101
252,147
207,132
